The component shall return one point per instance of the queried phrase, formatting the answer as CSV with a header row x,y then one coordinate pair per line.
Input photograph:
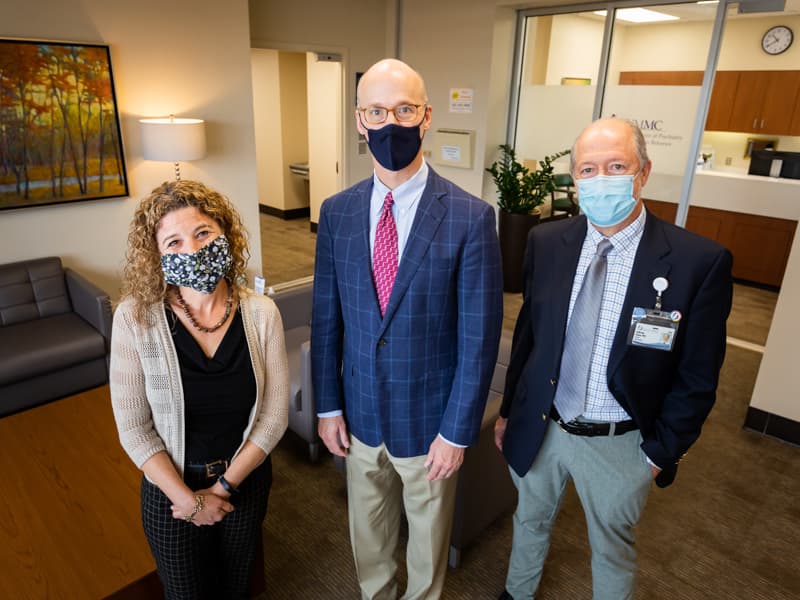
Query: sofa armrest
x,y
307,395
90,302
294,302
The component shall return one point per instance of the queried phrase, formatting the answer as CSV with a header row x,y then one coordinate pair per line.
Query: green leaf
x,y
519,189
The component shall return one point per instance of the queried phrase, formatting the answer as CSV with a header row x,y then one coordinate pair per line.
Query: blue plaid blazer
x,y
425,367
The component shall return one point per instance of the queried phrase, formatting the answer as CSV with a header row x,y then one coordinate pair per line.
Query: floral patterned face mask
x,y
200,270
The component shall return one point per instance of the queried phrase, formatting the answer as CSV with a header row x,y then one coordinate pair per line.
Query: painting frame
x,y
60,129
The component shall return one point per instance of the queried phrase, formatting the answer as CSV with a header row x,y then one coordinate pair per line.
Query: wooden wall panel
x,y
661,78
760,245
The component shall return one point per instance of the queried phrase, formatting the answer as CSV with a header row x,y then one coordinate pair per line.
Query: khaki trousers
x,y
379,485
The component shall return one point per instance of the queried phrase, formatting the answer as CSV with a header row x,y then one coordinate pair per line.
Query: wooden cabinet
x,y
780,102
719,110
795,126
760,245
764,102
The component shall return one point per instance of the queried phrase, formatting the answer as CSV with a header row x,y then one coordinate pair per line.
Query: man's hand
x,y
500,432
333,432
655,471
443,459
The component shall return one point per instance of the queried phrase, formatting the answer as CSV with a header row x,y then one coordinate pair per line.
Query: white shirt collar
x,y
404,195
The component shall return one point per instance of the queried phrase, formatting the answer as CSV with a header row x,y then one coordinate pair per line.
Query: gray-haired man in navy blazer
x,y
616,402
404,336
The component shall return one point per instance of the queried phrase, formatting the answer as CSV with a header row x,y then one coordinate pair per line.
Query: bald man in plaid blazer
x,y
402,394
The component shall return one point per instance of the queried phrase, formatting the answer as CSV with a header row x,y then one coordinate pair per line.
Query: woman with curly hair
x,y
199,387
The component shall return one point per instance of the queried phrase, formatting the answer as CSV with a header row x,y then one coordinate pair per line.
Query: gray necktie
x,y
579,342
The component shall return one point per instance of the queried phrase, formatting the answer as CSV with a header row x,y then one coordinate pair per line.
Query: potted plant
x,y
520,191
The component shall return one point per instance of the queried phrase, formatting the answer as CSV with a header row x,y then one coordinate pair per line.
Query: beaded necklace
x,y
193,321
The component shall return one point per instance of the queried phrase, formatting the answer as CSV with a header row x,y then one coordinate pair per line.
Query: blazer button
x,y
552,381
544,417
381,342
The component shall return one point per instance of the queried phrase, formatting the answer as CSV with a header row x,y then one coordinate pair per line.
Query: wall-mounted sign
x,y
461,100
661,114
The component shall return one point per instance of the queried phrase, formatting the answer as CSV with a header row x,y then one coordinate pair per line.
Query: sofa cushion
x,y
31,290
46,345
294,338
295,305
503,357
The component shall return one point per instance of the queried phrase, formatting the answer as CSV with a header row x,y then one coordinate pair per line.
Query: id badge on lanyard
x,y
652,327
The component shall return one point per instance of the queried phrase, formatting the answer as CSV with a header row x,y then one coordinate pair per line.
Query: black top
x,y
219,392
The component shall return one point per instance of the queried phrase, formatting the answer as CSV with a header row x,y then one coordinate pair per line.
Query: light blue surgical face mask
x,y
606,200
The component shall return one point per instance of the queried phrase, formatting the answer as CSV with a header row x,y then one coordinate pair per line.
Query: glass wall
x,y
557,84
654,77
649,64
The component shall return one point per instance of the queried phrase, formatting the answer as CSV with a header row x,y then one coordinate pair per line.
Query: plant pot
x,y
513,235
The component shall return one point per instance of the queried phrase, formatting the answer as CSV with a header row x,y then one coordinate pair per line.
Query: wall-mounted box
x,y
453,148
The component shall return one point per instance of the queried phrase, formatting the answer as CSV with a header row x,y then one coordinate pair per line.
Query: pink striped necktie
x,y
384,257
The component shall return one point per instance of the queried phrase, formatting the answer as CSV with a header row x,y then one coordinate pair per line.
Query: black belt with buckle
x,y
211,469
592,429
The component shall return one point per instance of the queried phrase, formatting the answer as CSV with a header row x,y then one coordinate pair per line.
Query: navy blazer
x,y
667,394
425,367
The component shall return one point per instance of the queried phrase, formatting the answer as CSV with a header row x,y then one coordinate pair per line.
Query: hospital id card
x,y
651,328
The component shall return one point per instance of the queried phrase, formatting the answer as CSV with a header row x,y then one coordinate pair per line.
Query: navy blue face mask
x,y
394,146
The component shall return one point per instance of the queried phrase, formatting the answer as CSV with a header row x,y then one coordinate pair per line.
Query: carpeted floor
x,y
729,528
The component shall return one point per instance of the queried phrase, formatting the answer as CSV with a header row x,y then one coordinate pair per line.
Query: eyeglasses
x,y
403,113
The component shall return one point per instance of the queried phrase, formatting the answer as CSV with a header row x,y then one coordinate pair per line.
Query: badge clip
x,y
659,285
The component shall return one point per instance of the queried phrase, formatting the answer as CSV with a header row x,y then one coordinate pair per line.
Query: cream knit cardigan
x,y
146,389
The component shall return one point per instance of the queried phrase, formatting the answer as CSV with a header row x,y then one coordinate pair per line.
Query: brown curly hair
x,y
143,279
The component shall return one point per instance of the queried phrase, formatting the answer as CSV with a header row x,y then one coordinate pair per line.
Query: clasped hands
x,y
442,461
215,506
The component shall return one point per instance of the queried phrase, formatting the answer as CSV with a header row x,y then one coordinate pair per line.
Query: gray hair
x,y
638,140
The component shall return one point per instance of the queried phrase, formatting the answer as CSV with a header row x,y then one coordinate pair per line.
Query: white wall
x,y
183,57
499,91
575,45
324,106
776,385
269,139
450,42
354,28
683,46
670,46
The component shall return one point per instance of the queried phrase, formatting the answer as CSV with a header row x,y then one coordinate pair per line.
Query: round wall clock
x,y
777,39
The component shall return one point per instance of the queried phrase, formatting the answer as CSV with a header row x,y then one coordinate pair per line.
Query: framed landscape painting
x,y
59,126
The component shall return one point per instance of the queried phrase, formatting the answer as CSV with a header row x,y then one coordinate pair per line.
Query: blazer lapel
x,y
430,213
360,248
650,262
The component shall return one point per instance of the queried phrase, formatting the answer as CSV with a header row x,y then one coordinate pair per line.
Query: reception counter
x,y
755,217
732,190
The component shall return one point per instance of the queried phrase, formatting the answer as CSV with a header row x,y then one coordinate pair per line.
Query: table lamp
x,y
173,140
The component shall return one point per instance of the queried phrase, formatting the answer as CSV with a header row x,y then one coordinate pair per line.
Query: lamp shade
x,y
173,140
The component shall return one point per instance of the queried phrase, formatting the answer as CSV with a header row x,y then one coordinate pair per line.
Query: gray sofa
x,y
55,328
485,490
293,299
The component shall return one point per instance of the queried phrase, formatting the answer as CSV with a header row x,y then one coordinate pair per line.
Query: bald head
x,y
622,130
388,78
